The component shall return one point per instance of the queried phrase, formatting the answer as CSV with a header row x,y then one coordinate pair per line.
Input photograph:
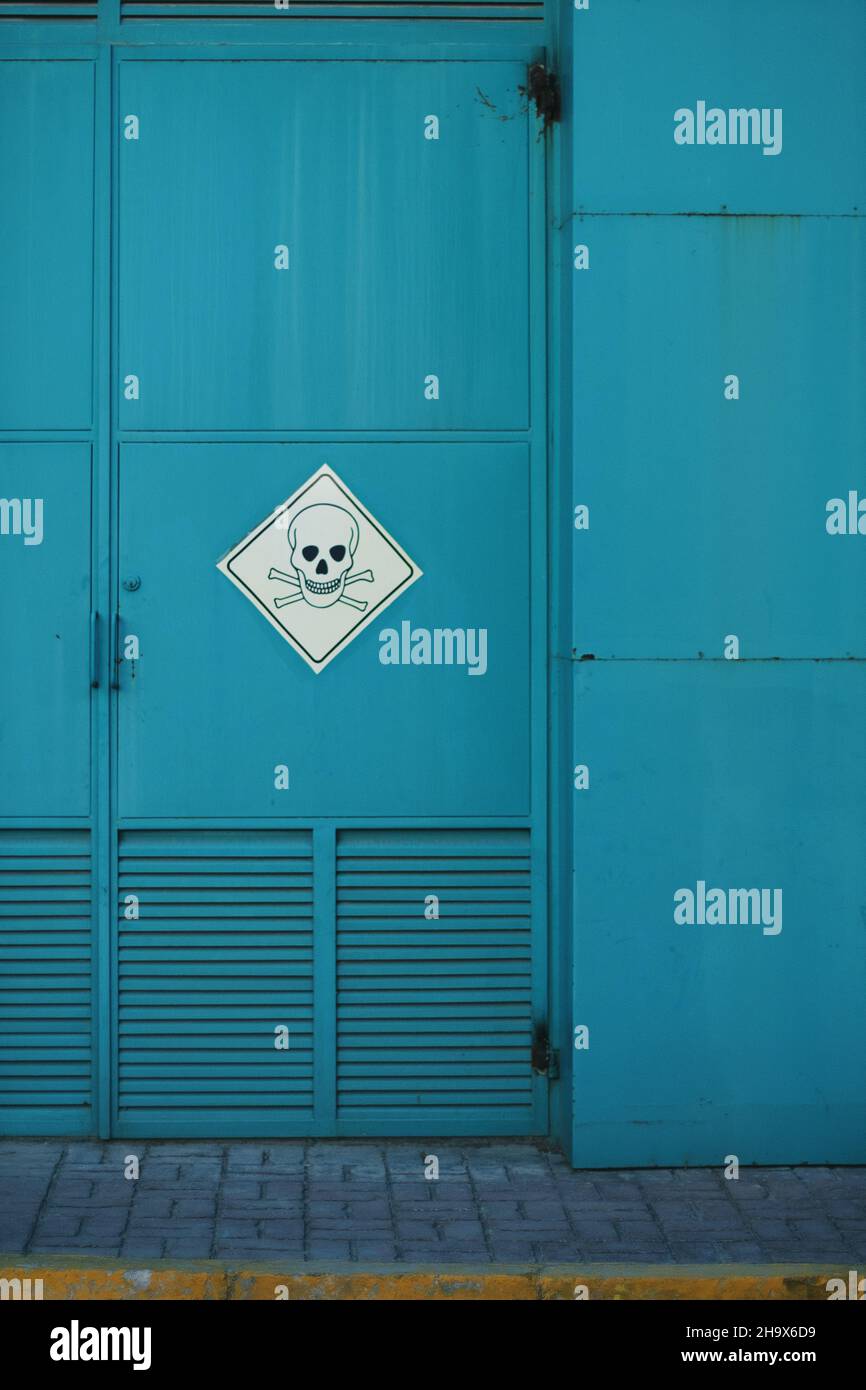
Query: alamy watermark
x,y
23,516
720,907
441,646
17,1290
739,125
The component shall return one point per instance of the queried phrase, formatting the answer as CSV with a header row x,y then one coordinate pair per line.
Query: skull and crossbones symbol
x,y
323,540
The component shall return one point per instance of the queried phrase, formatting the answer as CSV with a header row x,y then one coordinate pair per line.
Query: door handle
x,y
114,657
94,651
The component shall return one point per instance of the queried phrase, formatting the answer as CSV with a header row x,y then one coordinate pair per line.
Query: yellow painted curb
x,y
70,1278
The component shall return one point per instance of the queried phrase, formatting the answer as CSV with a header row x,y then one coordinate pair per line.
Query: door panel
x,y
45,626
405,957
408,256
46,232
219,699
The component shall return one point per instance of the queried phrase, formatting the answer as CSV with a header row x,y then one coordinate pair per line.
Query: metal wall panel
x,y
708,520
709,515
637,64
707,1040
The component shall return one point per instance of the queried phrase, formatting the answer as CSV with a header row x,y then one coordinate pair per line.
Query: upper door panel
x,y
46,236
400,297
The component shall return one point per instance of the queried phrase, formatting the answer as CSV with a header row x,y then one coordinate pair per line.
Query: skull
x,y
323,540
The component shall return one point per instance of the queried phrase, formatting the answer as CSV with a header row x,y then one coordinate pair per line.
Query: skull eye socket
x,y
337,552
310,552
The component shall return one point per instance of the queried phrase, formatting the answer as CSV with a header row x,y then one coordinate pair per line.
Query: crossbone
x,y
360,604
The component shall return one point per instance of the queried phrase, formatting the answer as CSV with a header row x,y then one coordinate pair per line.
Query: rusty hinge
x,y
542,87
545,1059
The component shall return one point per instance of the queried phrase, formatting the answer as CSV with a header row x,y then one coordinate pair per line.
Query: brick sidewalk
x,y
494,1202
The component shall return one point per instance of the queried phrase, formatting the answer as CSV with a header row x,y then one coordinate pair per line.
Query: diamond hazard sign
x,y
320,568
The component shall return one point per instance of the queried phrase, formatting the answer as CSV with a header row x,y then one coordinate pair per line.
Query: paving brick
x,y
319,1249
71,1190
110,1197
188,1247
688,1251
276,1231
507,1251
594,1230
59,1244
385,1250
280,1188
737,1250
248,1229
542,1206
521,1229
462,1230
26,1193
441,1260
104,1223
552,1251
151,1228
246,1189
137,1248
59,1224
15,1232
263,1209
461,1252
239,1253
193,1206
814,1226
347,1230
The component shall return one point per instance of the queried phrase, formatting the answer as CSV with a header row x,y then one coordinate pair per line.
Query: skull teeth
x,y
329,588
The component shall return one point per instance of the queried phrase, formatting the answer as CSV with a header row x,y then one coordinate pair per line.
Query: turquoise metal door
x,y
330,882
273,843
47,639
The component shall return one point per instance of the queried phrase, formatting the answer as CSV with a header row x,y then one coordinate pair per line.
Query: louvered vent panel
x,y
45,977
221,954
434,1016
530,11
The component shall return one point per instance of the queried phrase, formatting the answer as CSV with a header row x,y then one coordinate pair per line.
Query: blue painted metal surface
x,y
218,908
708,519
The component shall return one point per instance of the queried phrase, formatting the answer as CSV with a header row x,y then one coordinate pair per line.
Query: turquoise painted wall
x,y
708,520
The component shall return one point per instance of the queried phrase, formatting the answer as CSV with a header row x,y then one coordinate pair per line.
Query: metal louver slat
x,y
519,11
219,955
434,1015
50,9
45,980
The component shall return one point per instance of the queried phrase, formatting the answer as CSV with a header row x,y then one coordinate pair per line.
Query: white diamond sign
x,y
320,568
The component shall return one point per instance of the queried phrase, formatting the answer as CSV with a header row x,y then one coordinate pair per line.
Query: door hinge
x,y
545,1059
542,87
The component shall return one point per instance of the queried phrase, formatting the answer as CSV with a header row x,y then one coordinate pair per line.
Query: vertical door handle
x,y
115,652
94,650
